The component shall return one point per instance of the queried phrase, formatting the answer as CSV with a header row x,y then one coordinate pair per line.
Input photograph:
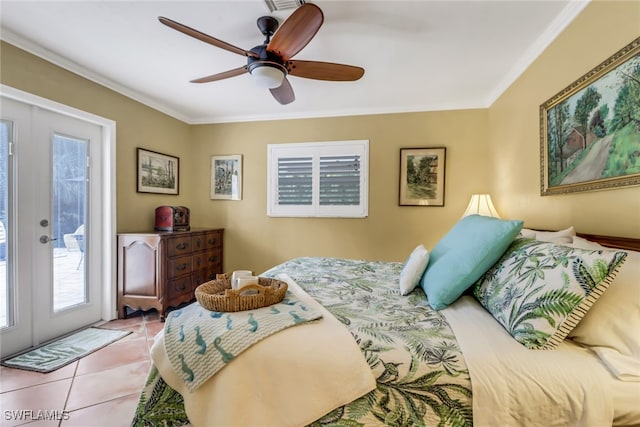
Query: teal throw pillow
x,y
539,291
464,254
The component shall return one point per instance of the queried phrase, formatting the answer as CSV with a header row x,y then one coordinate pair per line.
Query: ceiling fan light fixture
x,y
268,75
270,62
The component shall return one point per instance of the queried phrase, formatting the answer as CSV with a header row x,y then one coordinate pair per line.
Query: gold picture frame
x,y
589,132
422,176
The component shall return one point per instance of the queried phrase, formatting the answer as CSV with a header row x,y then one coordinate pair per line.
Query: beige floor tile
x,y
114,413
134,324
153,328
45,397
122,352
106,385
101,389
14,379
42,423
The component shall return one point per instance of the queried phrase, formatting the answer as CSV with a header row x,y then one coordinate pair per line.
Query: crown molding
x,y
69,65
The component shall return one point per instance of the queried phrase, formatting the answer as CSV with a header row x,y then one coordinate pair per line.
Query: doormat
x,y
63,351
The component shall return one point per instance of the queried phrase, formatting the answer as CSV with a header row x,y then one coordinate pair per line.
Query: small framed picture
x,y
226,177
422,176
157,172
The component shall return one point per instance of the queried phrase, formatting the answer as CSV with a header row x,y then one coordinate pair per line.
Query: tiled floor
x,y
101,389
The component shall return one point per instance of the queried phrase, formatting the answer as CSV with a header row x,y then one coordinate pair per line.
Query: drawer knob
x,y
182,266
182,287
182,245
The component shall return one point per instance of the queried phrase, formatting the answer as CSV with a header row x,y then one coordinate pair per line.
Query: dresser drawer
x,y
199,260
177,246
199,241
179,266
213,240
205,275
209,259
212,258
199,277
179,286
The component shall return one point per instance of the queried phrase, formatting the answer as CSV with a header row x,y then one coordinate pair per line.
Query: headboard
x,y
613,242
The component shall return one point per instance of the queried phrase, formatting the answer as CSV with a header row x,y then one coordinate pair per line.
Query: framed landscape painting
x,y
422,176
590,132
226,177
157,172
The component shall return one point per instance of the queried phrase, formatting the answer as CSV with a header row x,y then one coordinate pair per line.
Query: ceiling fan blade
x,y
220,76
297,31
204,37
324,71
284,94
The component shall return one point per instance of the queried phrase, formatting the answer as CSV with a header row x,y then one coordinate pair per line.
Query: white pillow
x,y
528,233
413,269
582,243
611,328
561,237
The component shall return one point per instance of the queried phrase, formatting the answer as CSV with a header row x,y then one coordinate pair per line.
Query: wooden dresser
x,y
162,269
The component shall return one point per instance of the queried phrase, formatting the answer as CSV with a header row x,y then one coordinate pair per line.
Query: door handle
x,y
46,239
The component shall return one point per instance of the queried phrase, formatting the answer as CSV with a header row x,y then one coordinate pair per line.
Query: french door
x,y
51,280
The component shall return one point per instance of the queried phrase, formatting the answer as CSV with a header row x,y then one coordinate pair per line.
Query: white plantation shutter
x,y
340,180
295,180
323,179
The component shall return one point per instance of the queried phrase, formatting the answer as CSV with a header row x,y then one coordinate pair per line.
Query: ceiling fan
x,y
270,63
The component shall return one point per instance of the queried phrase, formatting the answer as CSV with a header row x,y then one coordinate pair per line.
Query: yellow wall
x,y
602,29
490,150
136,126
255,241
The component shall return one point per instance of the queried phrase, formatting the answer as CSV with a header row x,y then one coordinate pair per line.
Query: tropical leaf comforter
x,y
421,375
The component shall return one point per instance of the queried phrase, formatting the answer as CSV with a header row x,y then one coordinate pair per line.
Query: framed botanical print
x,y
226,177
422,176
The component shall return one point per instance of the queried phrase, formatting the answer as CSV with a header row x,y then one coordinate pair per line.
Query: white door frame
x,y
108,160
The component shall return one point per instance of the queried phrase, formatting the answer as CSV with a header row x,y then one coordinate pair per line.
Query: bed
x,y
377,357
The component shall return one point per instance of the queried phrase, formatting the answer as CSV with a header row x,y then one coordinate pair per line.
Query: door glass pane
x,y
69,220
6,294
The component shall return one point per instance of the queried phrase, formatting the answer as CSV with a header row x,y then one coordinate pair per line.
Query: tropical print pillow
x,y
539,291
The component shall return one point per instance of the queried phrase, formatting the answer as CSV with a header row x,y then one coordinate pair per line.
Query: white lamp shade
x,y
481,204
267,77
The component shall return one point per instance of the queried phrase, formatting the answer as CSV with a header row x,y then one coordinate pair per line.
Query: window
x,y
320,179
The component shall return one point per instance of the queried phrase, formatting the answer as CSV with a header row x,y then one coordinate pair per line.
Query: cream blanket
x,y
513,385
291,378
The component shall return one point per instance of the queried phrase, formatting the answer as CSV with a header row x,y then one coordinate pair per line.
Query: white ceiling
x,y
418,55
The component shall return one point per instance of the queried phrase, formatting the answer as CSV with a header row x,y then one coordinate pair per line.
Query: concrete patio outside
x,y
68,267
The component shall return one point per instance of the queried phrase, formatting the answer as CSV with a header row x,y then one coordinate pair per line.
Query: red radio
x,y
172,218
